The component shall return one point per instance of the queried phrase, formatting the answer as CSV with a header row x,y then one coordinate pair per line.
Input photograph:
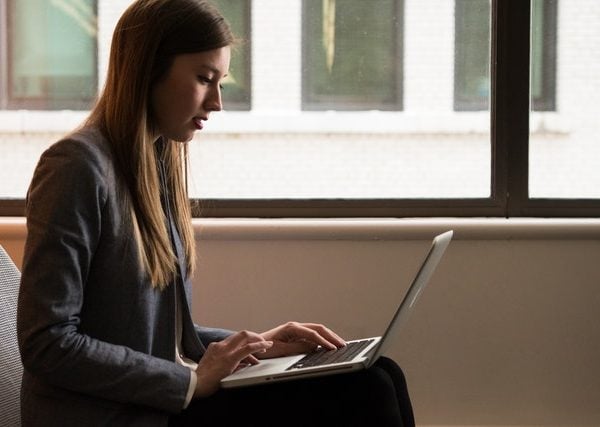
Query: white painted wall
x,y
506,334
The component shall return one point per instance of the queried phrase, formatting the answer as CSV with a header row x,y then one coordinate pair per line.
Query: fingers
x,y
317,334
326,333
243,344
224,357
294,338
248,361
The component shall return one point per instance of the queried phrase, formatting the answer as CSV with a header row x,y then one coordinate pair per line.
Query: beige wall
x,y
506,334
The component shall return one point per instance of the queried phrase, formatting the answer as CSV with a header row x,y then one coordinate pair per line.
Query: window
x,y
352,55
236,88
543,55
472,51
564,157
48,54
359,151
472,55
482,108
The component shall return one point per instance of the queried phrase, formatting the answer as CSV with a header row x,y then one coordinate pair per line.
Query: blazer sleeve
x,y
208,335
64,217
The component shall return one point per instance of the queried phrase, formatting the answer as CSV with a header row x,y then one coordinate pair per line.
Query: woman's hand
x,y
295,338
224,357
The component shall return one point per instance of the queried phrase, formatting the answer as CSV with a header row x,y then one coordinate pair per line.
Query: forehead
x,y
216,60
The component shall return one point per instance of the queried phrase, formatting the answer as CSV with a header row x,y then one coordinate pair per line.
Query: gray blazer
x,y
97,341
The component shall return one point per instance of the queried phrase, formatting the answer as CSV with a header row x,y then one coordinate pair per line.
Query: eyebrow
x,y
214,70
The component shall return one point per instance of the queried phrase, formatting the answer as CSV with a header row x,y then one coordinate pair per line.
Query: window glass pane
x,y
282,151
351,54
564,155
52,54
236,88
472,75
472,63
543,54
279,150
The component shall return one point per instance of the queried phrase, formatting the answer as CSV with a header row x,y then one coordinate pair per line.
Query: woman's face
x,y
183,99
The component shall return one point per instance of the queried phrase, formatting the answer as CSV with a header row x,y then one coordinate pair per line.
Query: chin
x,y
182,138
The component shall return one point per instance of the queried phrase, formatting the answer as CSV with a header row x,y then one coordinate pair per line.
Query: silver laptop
x,y
357,354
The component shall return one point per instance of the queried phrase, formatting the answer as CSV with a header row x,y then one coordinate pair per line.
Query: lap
x,y
345,399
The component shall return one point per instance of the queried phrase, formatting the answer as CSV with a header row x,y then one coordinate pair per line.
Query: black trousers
x,y
377,396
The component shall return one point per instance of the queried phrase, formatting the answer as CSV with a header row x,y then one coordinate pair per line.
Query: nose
x,y
214,100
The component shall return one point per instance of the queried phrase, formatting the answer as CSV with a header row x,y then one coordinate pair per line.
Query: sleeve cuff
x,y
191,389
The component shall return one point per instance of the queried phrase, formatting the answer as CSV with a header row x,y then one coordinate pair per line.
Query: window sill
x,y
304,122
373,228
397,229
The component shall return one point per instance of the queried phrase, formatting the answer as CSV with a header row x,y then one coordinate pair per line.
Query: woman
x,y
104,324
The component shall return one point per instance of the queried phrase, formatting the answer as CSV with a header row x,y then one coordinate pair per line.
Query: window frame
x,y
509,153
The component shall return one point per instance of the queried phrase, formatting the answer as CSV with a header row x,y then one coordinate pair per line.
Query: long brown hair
x,y
146,40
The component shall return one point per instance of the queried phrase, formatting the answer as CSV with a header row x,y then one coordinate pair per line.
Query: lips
x,y
198,122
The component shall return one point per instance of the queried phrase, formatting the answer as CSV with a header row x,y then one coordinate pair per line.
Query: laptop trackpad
x,y
266,367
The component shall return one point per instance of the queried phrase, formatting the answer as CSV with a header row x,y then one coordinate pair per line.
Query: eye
x,y
204,79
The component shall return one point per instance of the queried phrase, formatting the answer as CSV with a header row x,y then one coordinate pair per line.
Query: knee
x,y
392,368
377,383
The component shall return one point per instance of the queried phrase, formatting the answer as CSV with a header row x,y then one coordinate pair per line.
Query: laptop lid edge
x,y
428,265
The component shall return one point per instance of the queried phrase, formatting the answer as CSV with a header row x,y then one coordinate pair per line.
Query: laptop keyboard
x,y
325,357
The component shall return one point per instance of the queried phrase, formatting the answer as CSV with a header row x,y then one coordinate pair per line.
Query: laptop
x,y
357,354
